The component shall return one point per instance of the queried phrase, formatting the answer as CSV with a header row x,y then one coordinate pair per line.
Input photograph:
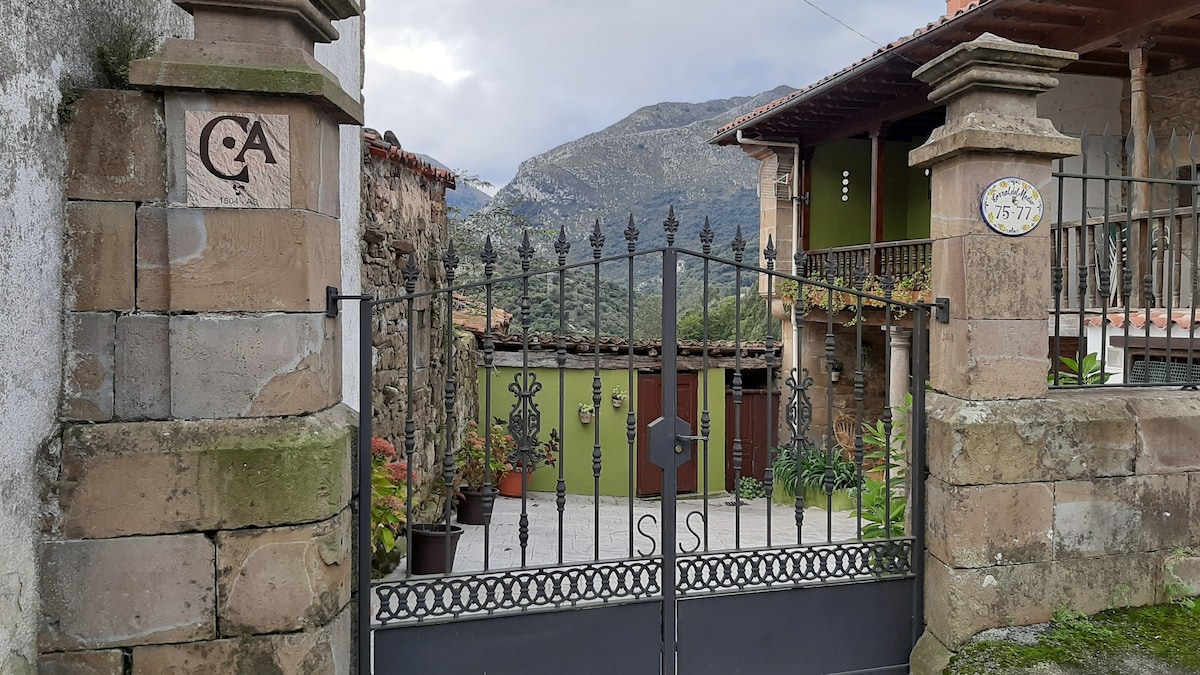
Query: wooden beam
x,y
876,194
1125,20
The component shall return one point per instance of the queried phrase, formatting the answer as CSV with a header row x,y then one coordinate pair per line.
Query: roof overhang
x,y
880,93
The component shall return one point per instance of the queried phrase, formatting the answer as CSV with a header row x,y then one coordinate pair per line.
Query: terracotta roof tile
x,y
1185,319
586,344
762,110
385,146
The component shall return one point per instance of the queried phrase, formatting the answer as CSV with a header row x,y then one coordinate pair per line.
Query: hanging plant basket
x,y
585,417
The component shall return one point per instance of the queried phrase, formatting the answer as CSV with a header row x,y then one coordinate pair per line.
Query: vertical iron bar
x,y
889,287
859,390
670,405
739,247
1082,252
706,240
1128,253
562,248
1149,299
1170,292
525,440
597,241
1105,276
918,468
1195,276
450,262
488,256
631,237
830,354
803,406
1056,276
410,274
366,332
769,253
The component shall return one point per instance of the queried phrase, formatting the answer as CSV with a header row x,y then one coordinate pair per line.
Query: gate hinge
x,y
332,298
941,310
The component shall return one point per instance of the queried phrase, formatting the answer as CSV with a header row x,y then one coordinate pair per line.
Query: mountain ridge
x,y
654,158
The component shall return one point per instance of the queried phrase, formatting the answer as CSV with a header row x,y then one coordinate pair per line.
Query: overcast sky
x,y
484,84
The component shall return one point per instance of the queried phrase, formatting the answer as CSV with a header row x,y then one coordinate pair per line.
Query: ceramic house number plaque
x,y
238,160
1011,206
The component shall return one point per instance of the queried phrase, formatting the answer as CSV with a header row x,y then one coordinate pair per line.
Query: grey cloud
x,y
545,72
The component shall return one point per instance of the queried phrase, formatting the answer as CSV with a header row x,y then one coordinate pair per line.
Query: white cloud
x,y
482,85
425,58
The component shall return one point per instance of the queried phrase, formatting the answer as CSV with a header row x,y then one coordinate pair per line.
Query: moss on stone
x,y
1099,645
277,478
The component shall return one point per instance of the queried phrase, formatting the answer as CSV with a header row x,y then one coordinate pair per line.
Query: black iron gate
x,y
574,579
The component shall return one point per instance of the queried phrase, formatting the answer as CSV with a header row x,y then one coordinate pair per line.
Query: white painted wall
x,y
1085,106
345,59
45,48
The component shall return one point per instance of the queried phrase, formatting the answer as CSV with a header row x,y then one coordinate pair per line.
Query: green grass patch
x,y
1095,645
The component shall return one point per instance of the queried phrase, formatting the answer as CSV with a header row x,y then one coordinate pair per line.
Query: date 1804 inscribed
x,y
238,160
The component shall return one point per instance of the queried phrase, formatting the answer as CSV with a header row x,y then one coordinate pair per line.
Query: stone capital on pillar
x,y
989,87
255,47
996,342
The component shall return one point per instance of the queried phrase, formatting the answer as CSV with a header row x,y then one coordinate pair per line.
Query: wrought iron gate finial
x,y
671,225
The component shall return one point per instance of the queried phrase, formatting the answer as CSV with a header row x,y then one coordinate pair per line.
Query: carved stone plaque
x,y
238,160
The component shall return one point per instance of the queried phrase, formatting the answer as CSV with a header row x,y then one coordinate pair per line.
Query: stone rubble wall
x,y
1077,499
404,213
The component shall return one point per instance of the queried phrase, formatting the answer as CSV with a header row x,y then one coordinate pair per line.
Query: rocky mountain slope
x,y
652,159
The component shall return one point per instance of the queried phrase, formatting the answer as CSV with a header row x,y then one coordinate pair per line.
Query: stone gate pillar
x,y
981,520
201,522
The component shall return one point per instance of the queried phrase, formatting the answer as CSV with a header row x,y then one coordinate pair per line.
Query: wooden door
x,y
649,408
755,444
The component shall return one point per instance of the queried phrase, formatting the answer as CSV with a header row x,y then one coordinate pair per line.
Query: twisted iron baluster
x,y
450,263
631,238
739,250
707,236
769,255
561,248
488,257
525,434
597,241
410,274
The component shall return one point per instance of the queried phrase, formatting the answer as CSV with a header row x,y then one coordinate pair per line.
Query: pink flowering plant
x,y
389,489
475,462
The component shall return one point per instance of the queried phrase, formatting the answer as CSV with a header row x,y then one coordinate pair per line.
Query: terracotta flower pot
x,y
510,485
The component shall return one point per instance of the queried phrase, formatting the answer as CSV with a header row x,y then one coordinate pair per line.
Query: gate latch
x,y
670,442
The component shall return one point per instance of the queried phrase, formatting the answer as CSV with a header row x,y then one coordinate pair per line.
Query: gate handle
x,y
679,442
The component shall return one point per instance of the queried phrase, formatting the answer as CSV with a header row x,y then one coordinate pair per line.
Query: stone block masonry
x,y
1075,499
198,519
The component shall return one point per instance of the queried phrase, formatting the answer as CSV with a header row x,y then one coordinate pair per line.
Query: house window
x,y
845,185
1160,360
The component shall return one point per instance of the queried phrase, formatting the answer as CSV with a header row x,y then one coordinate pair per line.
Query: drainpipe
x,y
796,243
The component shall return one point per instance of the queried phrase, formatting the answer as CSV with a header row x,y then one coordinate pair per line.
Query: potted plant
x,y
585,413
429,547
835,370
389,490
521,465
479,465
804,470
618,397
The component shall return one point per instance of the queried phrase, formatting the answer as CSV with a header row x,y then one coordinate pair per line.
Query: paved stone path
x,y
579,538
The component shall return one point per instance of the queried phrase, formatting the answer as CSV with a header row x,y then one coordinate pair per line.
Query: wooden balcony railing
x,y
1154,252
894,258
